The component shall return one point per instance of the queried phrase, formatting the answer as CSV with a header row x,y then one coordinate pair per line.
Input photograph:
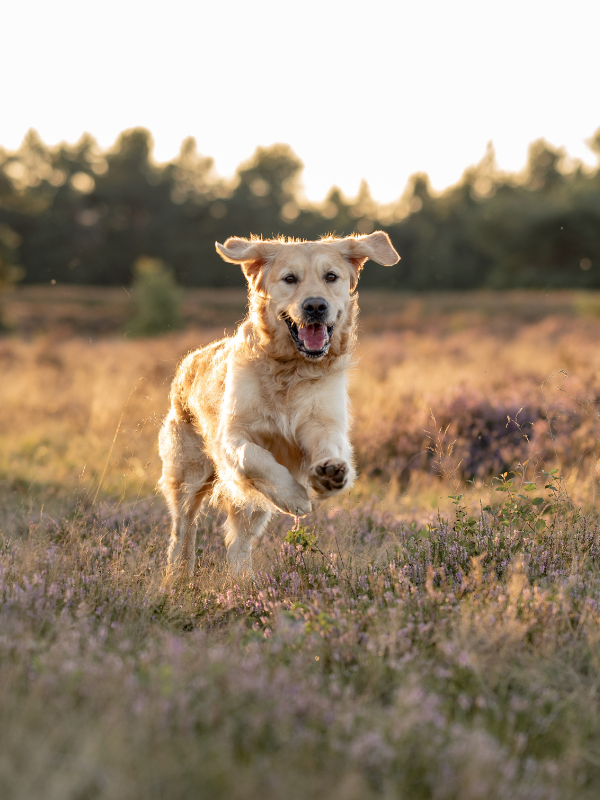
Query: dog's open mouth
x,y
311,340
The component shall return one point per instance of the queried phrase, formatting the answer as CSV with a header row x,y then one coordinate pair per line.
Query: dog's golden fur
x,y
259,421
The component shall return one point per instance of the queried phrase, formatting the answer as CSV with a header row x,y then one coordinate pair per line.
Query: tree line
x,y
77,214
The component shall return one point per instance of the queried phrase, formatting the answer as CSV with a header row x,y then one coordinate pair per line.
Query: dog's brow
x,y
290,266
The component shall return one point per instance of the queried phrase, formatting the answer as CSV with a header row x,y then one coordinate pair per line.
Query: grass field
x,y
427,636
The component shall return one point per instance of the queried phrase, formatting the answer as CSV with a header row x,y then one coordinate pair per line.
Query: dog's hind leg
x,y
243,527
187,478
184,502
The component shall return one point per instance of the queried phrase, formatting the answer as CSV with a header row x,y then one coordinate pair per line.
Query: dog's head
x,y
303,290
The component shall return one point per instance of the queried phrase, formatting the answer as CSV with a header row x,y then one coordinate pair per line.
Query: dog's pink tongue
x,y
314,336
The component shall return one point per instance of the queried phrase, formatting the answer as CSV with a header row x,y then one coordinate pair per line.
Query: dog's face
x,y
309,289
305,287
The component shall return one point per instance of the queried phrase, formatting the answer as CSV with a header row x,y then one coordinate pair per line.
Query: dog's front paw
x,y
291,499
298,504
330,476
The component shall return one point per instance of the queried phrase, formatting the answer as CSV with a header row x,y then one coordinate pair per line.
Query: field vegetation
x,y
435,634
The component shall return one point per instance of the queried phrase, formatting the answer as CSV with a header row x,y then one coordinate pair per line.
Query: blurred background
x,y
79,214
138,131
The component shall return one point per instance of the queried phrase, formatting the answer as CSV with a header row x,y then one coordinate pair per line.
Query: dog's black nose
x,y
315,306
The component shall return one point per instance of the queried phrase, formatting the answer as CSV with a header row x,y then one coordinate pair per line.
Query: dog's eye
x,y
331,277
290,279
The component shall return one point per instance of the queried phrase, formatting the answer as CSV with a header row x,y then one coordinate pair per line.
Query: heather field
x,y
433,635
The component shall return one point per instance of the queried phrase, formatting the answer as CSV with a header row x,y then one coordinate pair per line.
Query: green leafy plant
x,y
528,511
303,538
463,523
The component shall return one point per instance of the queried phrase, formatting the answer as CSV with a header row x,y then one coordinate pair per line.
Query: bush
x,y
157,298
10,273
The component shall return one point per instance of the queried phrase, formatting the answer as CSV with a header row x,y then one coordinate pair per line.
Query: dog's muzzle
x,y
312,339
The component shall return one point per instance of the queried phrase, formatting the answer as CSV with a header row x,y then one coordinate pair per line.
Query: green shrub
x,y
157,299
10,272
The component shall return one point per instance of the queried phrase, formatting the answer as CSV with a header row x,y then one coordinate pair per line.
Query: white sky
x,y
374,89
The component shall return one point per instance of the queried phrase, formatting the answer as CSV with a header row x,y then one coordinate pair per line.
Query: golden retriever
x,y
259,421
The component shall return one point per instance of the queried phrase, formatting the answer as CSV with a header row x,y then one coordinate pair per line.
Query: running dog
x,y
259,421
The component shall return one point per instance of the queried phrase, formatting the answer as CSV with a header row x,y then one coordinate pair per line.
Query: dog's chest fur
x,y
267,397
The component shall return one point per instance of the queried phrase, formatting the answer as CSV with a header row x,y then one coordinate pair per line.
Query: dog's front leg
x,y
257,466
273,480
331,469
239,459
324,438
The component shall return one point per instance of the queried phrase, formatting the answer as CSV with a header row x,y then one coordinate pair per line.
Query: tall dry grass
x,y
457,393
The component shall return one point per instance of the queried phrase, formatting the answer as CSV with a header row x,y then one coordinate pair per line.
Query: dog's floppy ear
x,y
253,256
376,246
